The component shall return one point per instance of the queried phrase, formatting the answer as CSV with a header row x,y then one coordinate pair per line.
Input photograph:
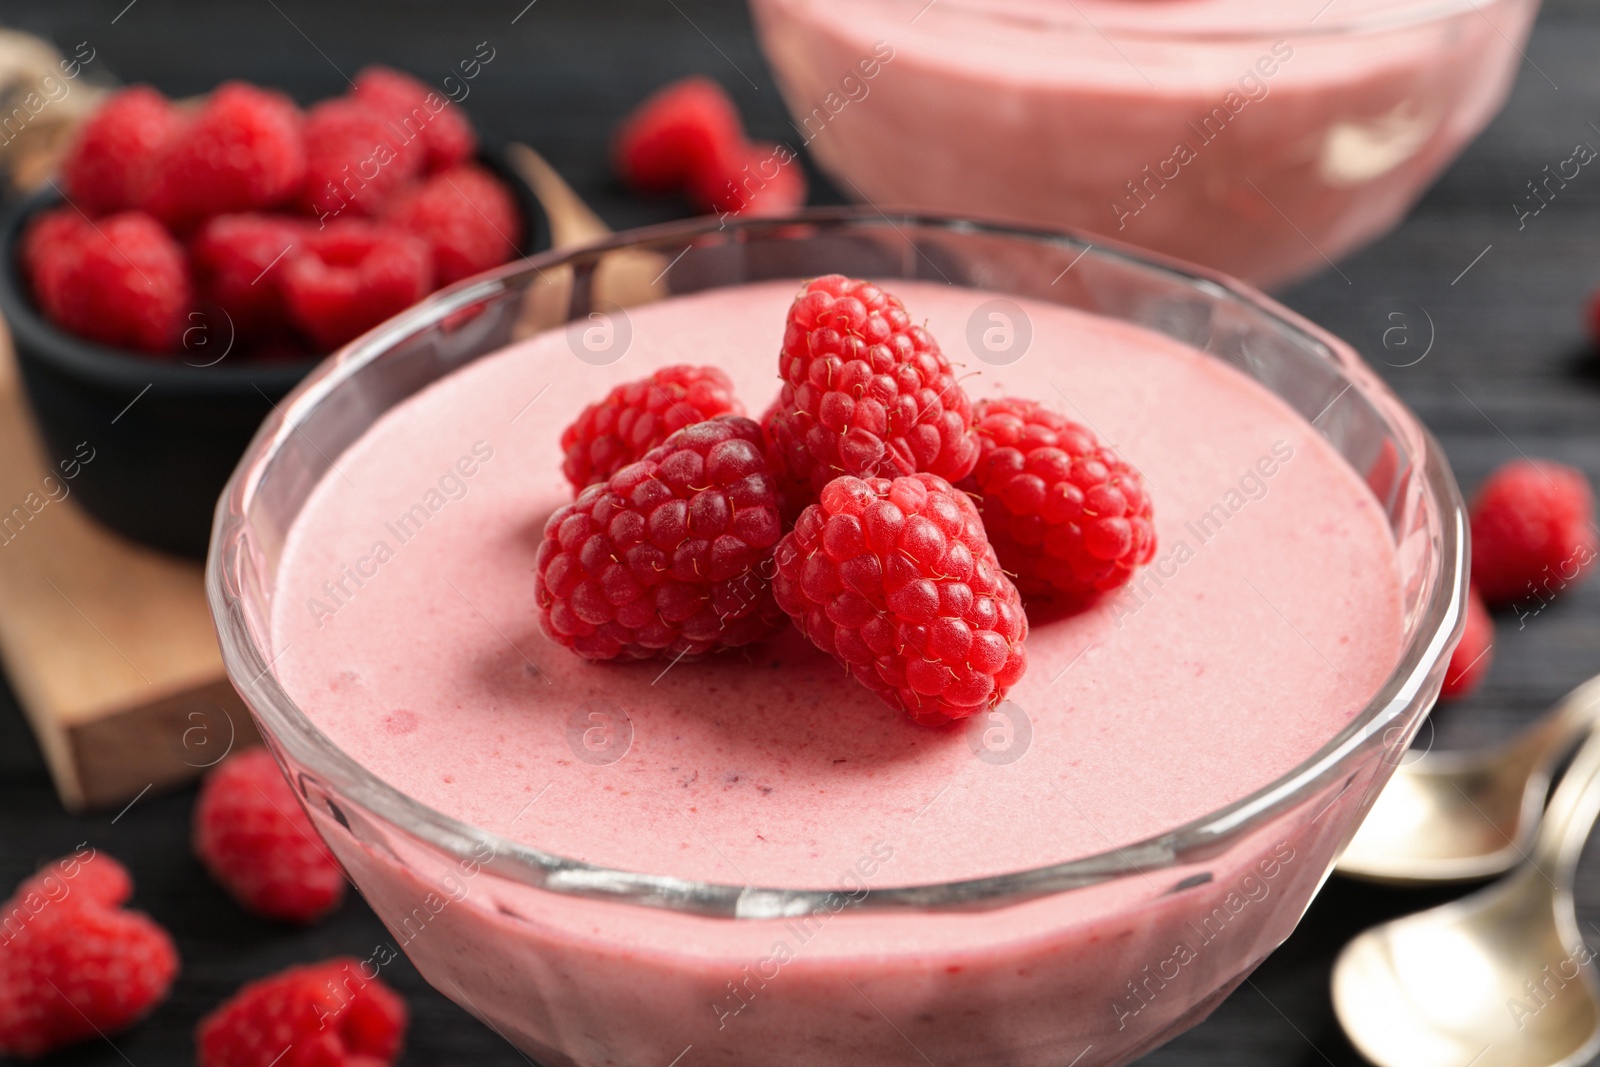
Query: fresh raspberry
x,y
896,580
865,392
1066,515
238,260
1470,660
120,281
77,879
345,279
251,834
52,249
112,164
73,965
355,161
665,557
467,217
244,151
680,133
337,1013
754,180
637,416
1533,531
415,111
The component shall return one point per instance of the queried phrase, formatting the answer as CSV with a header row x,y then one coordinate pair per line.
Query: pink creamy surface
x,y
1248,644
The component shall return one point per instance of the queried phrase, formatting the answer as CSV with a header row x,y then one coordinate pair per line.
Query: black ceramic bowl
x,y
165,431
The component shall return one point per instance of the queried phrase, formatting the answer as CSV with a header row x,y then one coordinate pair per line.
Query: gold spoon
x,y
1497,979
1458,816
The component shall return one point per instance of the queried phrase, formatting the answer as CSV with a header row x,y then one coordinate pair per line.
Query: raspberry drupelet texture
x,y
343,280
112,165
244,151
637,416
74,964
467,217
1533,532
1066,515
671,555
337,1013
416,112
865,392
252,836
121,281
897,581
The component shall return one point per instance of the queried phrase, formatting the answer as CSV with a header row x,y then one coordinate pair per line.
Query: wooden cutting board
x,y
108,645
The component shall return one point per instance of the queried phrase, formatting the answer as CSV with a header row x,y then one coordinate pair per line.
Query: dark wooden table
x,y
1509,372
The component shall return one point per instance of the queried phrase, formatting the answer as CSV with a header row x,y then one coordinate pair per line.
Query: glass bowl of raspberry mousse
x,y
637,841
1264,138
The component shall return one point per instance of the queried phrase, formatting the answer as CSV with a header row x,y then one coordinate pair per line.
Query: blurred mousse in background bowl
x,y
1263,139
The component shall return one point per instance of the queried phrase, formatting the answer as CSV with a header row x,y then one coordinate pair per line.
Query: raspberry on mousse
x,y
865,392
1066,515
666,557
637,416
897,581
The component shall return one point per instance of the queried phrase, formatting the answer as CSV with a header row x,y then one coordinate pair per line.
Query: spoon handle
x,y
1578,711
1570,815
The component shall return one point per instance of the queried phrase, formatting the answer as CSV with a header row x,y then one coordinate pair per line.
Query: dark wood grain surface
x,y
1509,373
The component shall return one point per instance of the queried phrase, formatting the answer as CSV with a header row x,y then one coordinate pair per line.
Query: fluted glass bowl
x,y
1076,962
1264,140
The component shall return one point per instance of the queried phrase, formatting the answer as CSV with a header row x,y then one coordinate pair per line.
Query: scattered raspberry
x,y
1533,532
238,260
337,1013
896,580
72,964
1065,514
754,180
121,281
638,416
112,164
415,111
1470,660
76,879
251,834
865,392
344,280
352,163
467,217
663,558
683,131
244,151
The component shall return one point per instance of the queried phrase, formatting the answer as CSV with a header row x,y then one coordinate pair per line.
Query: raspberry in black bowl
x,y
193,261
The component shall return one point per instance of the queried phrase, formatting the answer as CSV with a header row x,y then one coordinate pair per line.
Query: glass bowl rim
x,y
1440,617
1412,13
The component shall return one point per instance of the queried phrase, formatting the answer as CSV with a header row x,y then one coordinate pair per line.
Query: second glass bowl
x,y
1264,140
